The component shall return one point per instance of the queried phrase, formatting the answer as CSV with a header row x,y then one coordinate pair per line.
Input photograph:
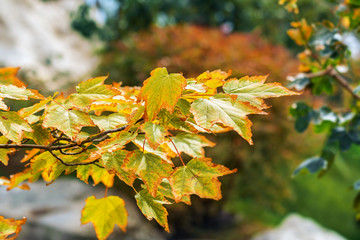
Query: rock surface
x,y
296,227
53,212
37,36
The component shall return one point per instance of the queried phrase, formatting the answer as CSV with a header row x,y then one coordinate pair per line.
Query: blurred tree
x,y
115,19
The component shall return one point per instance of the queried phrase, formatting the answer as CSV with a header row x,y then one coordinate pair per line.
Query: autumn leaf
x,y
110,121
12,126
190,144
156,91
17,93
4,152
149,167
98,175
91,90
8,77
155,134
3,106
68,121
105,213
39,135
10,228
199,177
113,163
222,109
301,32
115,143
152,207
253,90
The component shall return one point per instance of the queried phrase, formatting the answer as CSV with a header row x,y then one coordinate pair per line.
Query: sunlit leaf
x,y
10,228
17,93
190,144
12,126
5,151
150,168
113,163
154,133
222,109
156,91
200,177
254,89
105,213
68,121
108,122
8,77
152,207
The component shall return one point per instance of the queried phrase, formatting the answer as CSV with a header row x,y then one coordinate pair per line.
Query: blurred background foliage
x,y
248,37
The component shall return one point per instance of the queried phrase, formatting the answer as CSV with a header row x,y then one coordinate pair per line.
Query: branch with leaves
x,y
132,134
326,52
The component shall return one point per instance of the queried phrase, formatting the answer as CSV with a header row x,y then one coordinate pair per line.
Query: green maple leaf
x,y
166,190
4,152
155,134
111,121
12,126
200,177
149,167
161,90
253,90
91,90
152,207
113,162
190,144
222,109
105,213
68,121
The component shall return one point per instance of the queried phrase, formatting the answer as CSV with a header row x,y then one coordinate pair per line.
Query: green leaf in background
x,y
311,165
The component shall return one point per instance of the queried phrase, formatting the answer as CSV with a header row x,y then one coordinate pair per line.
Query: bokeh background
x,y
59,43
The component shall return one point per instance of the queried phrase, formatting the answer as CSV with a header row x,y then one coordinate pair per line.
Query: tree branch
x,y
330,71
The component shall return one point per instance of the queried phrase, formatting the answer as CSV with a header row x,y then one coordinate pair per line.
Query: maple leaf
x,y
105,213
68,121
97,174
161,151
155,134
112,144
91,90
111,121
4,152
152,207
149,167
9,227
253,90
156,91
222,109
18,93
190,144
12,126
166,190
113,162
26,112
8,77
199,177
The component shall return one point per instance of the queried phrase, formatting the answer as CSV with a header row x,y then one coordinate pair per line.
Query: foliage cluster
x,y
210,48
329,71
134,134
